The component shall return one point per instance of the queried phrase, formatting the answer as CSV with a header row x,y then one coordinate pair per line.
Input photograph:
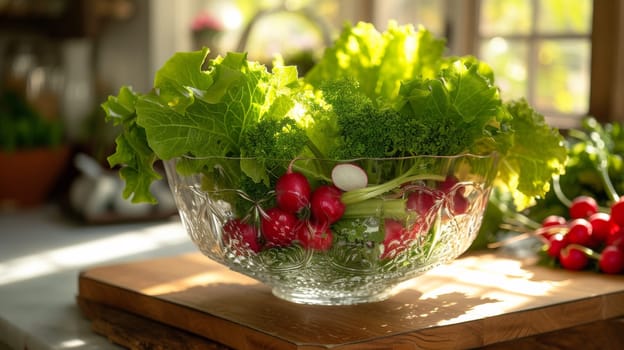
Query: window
x,y
540,50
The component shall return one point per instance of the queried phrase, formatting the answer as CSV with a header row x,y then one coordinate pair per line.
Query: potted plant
x,y
32,153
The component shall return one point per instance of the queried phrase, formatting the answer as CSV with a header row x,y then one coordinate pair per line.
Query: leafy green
x,y
595,168
379,61
132,152
392,99
267,144
450,113
372,94
536,153
197,114
203,113
355,114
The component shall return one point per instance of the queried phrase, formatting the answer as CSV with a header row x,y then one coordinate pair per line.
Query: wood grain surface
x,y
478,300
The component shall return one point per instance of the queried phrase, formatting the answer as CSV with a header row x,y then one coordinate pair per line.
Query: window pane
x,y
564,16
508,59
505,17
563,74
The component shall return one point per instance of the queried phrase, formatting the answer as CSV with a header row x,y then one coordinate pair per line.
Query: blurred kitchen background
x,y
59,59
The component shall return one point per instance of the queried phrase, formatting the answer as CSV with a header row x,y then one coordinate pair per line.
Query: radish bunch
x,y
303,215
589,235
299,215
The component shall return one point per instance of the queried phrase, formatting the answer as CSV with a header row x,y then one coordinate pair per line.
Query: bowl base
x,y
314,297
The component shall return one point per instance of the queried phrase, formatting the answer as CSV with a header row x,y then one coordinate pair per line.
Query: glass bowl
x,y
338,246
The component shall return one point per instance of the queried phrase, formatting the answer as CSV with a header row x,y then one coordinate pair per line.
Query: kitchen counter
x,y
41,254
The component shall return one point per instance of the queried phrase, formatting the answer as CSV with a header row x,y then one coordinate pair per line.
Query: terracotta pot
x,y
27,177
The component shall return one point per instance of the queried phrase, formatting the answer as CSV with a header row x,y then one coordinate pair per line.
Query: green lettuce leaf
x,y
537,153
198,114
379,61
202,113
132,153
406,99
448,105
450,114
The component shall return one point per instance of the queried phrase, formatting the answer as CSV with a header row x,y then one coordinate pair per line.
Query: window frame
x,y
532,40
606,95
607,66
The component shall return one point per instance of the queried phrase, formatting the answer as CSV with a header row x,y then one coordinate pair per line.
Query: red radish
x,y
617,212
458,203
580,232
279,227
349,177
602,227
241,235
397,238
316,236
583,207
553,220
572,258
417,228
611,260
292,191
556,242
549,225
422,200
325,204
616,238
618,242
449,184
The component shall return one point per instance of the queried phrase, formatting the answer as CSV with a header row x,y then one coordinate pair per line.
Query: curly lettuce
x,y
196,113
371,94
536,152
446,106
379,61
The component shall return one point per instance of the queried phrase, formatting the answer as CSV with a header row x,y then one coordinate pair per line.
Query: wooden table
x,y
480,300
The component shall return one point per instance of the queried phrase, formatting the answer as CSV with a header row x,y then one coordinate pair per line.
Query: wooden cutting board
x,y
475,301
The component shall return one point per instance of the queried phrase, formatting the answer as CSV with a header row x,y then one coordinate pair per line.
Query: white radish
x,y
348,177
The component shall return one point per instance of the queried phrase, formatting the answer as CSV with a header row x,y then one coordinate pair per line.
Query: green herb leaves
x,y
537,153
197,113
372,94
379,61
